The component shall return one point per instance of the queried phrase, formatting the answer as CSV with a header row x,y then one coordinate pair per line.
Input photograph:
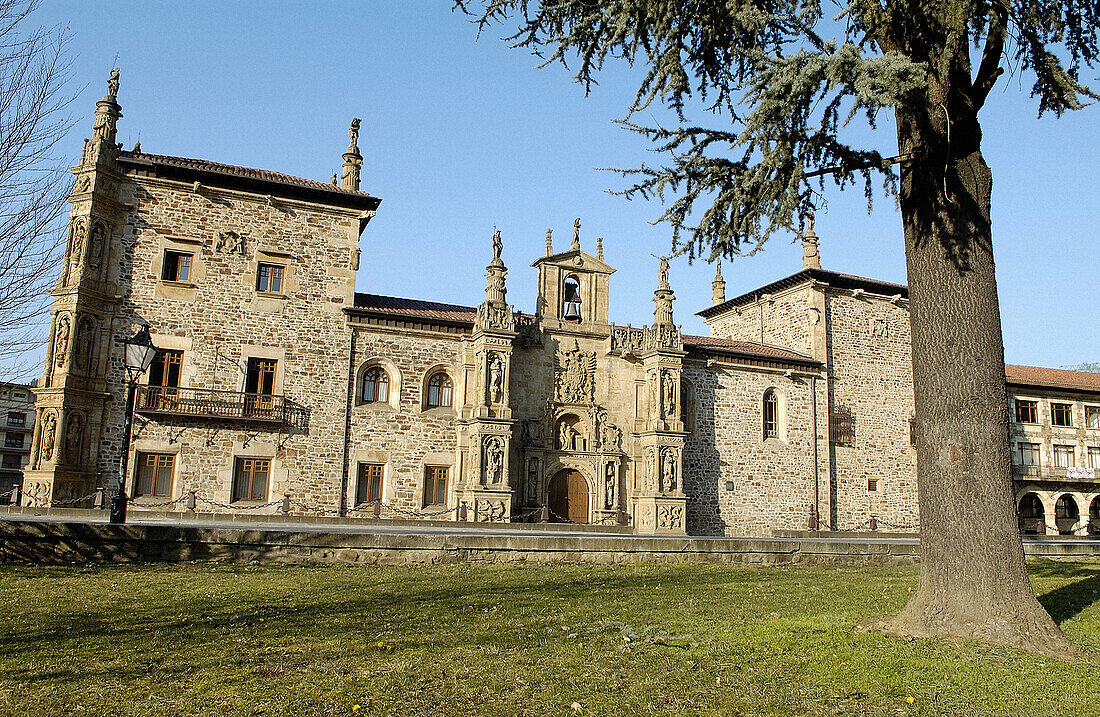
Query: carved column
x,y
658,502
485,430
69,456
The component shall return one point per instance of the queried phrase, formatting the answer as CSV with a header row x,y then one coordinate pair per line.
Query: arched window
x,y
376,385
439,390
771,414
571,299
1032,515
1066,514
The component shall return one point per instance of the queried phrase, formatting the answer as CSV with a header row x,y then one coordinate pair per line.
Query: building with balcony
x,y
16,427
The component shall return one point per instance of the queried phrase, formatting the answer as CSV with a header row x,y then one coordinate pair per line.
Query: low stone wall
x,y
33,542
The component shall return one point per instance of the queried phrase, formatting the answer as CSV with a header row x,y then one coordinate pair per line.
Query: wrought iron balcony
x,y
230,405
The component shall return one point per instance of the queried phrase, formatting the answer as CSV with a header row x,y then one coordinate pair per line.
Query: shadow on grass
x,y
1070,600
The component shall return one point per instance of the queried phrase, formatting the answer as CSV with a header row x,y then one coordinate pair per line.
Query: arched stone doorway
x,y
1094,516
568,497
1066,514
1032,515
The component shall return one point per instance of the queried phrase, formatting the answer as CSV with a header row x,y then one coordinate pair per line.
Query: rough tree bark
x,y
973,579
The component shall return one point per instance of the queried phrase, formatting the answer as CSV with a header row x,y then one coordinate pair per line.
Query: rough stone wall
x,y
786,321
870,376
219,320
773,479
402,434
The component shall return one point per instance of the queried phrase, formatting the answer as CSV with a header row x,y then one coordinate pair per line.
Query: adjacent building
x,y
277,387
17,414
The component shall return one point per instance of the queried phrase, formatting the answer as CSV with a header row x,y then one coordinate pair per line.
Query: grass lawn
x,y
514,640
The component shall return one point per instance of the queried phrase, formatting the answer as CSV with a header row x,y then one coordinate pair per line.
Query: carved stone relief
x,y
229,242
496,379
670,517
97,243
76,249
61,340
533,466
611,485
74,437
574,380
85,336
49,434
494,460
668,388
668,470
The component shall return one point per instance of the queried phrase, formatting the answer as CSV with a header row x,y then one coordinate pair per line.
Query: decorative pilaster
x,y
659,504
485,432
69,454
353,161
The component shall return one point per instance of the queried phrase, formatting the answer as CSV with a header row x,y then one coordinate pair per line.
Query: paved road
x,y
444,531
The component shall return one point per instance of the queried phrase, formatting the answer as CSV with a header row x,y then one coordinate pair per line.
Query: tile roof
x,y
709,344
217,172
416,308
832,278
1053,378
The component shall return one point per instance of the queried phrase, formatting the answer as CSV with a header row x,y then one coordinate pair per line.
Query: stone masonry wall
x,y
786,321
219,320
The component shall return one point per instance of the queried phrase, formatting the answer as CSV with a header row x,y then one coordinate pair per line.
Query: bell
x,y
572,311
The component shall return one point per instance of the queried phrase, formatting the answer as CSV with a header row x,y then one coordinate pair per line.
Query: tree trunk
x,y
973,579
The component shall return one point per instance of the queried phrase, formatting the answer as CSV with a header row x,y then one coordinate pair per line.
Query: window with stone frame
x,y
842,426
269,278
368,483
440,390
1092,416
154,474
1029,454
13,440
1027,411
1063,456
872,485
176,266
17,419
376,386
435,485
250,478
771,414
1094,456
1061,414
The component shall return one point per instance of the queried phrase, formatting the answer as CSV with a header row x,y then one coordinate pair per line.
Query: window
x,y
19,395
154,474
571,299
177,266
872,485
368,487
269,278
435,485
1094,456
165,369
259,387
439,390
771,415
376,385
1029,454
12,461
1092,416
1063,456
17,419
1061,414
1027,411
250,478
13,440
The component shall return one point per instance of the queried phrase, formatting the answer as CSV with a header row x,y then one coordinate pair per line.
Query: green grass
x,y
514,640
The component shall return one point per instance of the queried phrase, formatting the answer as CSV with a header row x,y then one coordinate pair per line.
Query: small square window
x,y
269,278
1029,454
177,266
250,478
1063,456
154,474
872,485
1061,414
368,487
435,485
1027,411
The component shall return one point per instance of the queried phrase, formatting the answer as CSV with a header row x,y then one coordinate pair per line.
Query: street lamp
x,y
139,355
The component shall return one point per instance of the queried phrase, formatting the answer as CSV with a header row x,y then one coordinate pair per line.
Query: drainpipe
x,y
347,428
817,480
760,304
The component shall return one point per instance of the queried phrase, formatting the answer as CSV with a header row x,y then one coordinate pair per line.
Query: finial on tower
x,y
112,86
107,114
549,242
718,286
498,247
599,248
663,296
662,273
811,257
349,176
576,245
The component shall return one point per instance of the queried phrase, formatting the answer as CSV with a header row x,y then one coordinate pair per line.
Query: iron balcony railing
x,y
231,405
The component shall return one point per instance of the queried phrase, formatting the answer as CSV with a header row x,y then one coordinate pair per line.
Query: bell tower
x,y
573,289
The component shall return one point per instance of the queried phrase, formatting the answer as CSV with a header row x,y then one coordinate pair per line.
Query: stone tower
x,y
72,396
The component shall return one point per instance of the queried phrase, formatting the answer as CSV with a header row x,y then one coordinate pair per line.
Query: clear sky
x,y
461,135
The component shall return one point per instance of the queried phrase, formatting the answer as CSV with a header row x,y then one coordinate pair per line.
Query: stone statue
x,y
95,250
668,470
567,436
498,245
654,392
652,479
611,486
112,85
662,273
532,479
494,460
353,135
576,245
49,435
549,242
61,343
811,256
496,379
74,437
77,251
669,396
84,337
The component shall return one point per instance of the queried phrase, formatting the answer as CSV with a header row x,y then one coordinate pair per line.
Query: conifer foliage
x,y
783,79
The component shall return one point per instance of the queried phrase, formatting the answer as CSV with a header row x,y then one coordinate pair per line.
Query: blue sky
x,y
461,135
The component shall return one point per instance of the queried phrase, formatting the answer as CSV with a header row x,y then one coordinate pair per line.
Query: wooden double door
x,y
568,497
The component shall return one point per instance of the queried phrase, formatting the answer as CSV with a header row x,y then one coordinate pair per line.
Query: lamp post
x,y
139,355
